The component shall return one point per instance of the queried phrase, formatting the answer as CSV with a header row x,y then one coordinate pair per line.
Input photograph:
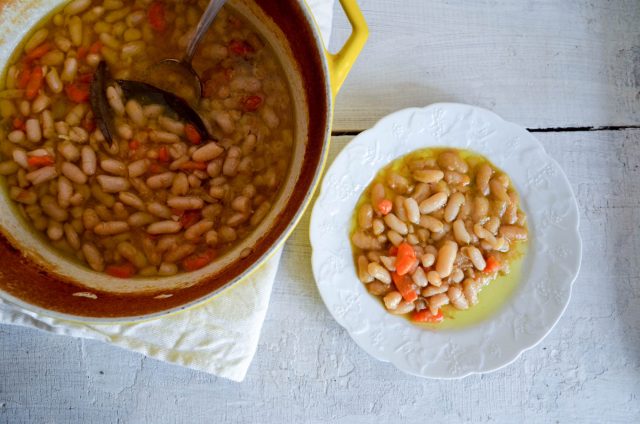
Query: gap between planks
x,y
533,130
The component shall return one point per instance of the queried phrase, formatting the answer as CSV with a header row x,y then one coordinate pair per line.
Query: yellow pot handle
x,y
340,63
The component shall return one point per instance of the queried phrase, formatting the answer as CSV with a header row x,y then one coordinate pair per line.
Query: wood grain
x,y
307,369
541,64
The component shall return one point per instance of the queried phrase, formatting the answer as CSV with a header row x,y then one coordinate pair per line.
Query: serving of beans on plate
x,y
161,199
434,228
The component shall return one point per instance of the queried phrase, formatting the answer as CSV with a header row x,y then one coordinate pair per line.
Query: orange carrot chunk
x,y
426,316
18,124
156,16
493,265
35,83
163,154
404,264
191,165
39,51
38,161
77,92
405,286
188,218
121,271
252,103
96,47
23,77
384,206
199,260
406,259
192,134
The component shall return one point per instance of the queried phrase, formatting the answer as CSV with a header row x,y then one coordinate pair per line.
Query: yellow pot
x,y
36,277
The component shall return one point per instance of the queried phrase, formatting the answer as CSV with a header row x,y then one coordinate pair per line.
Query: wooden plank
x,y
307,369
541,64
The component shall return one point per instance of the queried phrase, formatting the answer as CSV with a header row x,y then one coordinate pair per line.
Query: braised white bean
x,y
437,206
160,176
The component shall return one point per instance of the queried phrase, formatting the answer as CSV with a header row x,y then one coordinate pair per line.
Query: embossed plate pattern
x,y
548,271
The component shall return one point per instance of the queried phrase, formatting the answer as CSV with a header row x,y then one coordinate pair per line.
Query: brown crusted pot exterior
x,y
24,280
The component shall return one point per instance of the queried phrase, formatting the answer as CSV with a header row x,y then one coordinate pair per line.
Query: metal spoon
x,y
181,69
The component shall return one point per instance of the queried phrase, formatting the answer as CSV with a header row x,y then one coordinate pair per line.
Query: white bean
x,y
111,228
453,206
446,257
53,81
428,175
34,133
378,272
115,101
433,203
198,229
207,152
412,210
460,232
132,200
69,70
42,175
164,227
114,167
74,173
160,181
93,257
112,184
396,224
89,161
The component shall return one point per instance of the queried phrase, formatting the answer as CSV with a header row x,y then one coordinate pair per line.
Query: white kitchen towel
x,y
219,337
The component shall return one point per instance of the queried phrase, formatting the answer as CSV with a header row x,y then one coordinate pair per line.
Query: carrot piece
x,y
191,165
134,145
39,51
404,264
23,77
82,52
18,124
192,134
88,123
493,265
155,168
188,218
77,92
96,47
163,154
240,48
156,16
425,316
252,103
405,286
384,206
35,83
38,161
199,260
405,249
406,259
121,271
85,78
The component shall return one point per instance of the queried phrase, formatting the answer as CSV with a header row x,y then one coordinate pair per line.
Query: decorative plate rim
x,y
549,270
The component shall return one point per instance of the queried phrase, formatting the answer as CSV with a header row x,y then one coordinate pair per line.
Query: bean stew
x,y
433,229
162,198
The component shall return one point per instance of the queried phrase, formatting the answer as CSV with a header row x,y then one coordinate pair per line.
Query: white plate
x,y
548,271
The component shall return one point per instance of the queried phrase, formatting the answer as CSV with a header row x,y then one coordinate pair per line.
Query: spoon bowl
x,y
177,75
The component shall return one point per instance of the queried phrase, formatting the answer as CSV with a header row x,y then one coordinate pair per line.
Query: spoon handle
x,y
205,21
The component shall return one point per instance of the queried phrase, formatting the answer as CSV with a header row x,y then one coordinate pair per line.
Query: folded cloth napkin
x,y
219,337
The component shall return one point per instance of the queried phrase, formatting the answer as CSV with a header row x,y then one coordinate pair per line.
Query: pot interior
x,y
35,275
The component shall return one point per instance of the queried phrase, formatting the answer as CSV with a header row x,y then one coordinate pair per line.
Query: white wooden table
x,y
569,70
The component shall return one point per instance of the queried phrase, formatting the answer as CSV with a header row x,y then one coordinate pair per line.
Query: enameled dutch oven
x,y
35,277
